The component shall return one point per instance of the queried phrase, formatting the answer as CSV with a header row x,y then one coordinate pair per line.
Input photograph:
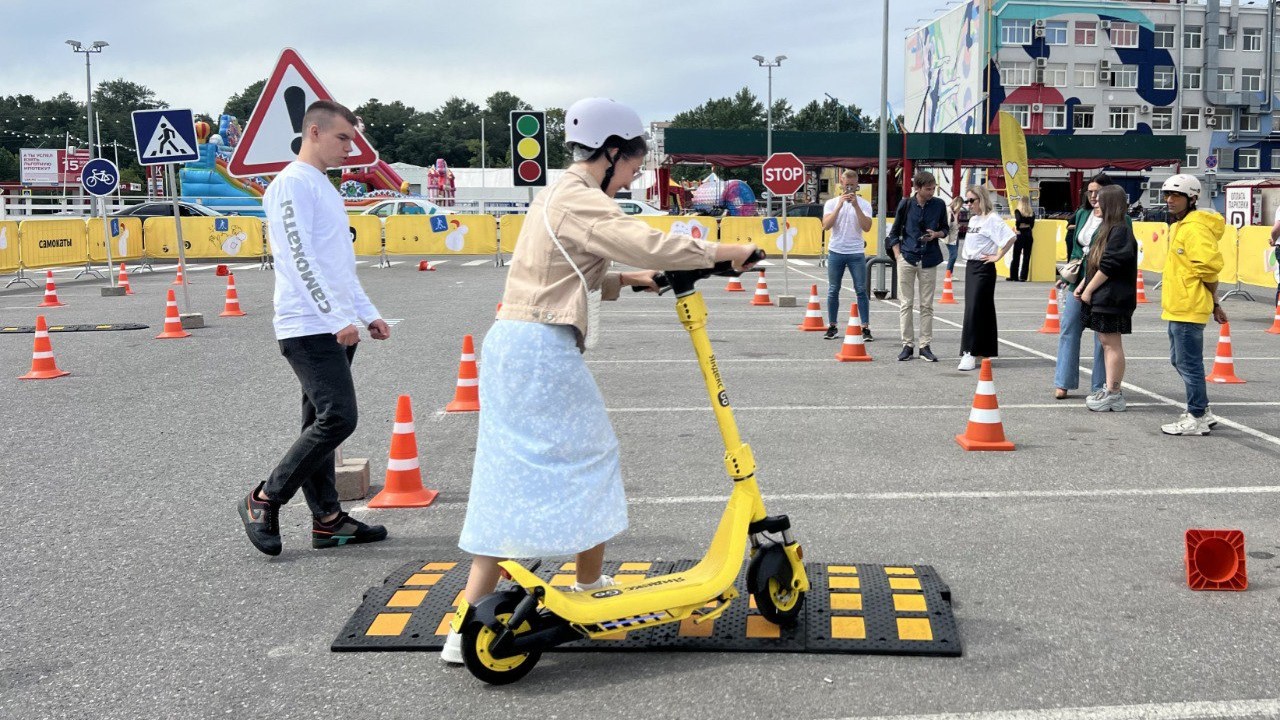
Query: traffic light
x,y
529,148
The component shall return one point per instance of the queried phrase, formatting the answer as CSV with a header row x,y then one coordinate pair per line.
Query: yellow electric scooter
x,y
505,633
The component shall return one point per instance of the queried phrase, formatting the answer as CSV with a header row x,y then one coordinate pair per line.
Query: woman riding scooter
x,y
546,480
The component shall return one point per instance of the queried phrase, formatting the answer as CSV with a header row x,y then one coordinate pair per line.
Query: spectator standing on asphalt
x,y
1275,243
547,478
1066,374
1188,296
847,217
958,220
919,222
1024,219
988,239
1109,292
319,310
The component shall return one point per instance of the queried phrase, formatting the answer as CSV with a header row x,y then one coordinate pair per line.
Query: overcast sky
x,y
659,56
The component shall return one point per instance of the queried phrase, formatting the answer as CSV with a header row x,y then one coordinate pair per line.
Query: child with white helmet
x,y
547,480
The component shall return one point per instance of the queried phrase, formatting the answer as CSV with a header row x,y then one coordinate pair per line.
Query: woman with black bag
x,y
1109,293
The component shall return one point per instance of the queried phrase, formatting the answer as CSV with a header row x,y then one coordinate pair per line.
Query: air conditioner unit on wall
x,y
1105,24
1042,62
1039,32
1211,122
1104,65
1037,107
1040,23
1231,137
1104,77
1144,109
1213,192
1209,111
1146,185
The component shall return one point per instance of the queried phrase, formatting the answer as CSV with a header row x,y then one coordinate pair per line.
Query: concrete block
x,y
353,478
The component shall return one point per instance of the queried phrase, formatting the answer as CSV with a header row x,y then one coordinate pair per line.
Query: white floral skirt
x,y
546,479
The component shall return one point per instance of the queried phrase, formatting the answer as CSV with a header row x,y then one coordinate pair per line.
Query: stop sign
x,y
783,173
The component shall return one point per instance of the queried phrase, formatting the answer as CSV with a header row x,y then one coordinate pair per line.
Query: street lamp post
x,y
96,47
768,111
837,112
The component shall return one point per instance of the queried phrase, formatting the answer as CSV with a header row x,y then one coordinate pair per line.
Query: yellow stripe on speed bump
x,y
846,601
899,571
439,566
842,570
848,628
420,579
407,598
758,627
839,582
635,567
446,624
904,583
389,623
909,603
914,629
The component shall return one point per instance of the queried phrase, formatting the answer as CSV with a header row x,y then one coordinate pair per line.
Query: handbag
x,y
1070,271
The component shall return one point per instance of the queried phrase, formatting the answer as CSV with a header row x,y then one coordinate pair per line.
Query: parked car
x,y
637,207
802,210
165,209
402,206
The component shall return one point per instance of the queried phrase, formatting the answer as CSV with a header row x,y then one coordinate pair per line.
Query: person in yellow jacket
x,y
1188,296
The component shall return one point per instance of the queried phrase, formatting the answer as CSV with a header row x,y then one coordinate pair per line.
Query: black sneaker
x,y
908,353
866,335
832,333
261,520
344,530
927,354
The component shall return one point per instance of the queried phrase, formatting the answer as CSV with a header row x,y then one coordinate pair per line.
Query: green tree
x,y
497,118
241,104
830,116
9,171
742,111
385,124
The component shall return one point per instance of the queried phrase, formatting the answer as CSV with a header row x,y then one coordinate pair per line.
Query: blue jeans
x,y
1186,353
953,252
1067,373
857,264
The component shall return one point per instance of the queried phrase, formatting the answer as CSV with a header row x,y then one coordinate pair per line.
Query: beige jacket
x,y
542,286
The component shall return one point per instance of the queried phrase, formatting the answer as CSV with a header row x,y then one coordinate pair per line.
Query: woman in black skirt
x,y
1109,292
988,239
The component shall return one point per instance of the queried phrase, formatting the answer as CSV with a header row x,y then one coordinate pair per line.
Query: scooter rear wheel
x,y
769,579
476,639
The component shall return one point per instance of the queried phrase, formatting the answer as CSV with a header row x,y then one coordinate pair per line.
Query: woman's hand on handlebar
x,y
641,280
743,257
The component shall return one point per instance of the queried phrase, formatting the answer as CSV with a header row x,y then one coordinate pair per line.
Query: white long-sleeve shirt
x,y
317,290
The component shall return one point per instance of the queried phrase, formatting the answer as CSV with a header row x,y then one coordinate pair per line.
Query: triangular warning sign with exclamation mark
x,y
272,136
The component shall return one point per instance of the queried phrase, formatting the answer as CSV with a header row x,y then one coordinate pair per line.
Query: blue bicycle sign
x,y
100,177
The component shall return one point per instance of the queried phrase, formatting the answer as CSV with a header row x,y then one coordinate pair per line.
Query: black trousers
x,y
329,416
1021,265
978,335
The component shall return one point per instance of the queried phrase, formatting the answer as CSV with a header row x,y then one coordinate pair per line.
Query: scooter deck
x,y
853,608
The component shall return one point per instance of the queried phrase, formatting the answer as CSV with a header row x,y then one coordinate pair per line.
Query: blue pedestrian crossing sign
x,y
165,136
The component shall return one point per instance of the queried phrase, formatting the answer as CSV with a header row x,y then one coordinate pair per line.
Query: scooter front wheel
x,y
476,641
769,579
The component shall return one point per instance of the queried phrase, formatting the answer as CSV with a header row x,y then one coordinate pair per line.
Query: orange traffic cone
x,y
179,278
948,294
172,323
424,265
985,431
1215,560
1224,366
50,292
43,366
232,306
1275,324
403,486
853,349
1051,325
762,292
813,312
735,285
123,281
466,398
1142,290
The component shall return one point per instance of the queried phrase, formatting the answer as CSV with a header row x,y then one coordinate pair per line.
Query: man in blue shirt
x,y
918,224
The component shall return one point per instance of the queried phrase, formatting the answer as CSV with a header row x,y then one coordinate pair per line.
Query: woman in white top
x,y
988,239
1066,374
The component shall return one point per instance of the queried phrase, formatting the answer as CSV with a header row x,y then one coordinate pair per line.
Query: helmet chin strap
x,y
608,173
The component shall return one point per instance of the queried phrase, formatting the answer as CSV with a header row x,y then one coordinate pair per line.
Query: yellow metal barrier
x,y
236,236
441,234
804,234
10,255
46,243
126,243
509,227
366,234
1046,236
698,226
1257,257
1227,246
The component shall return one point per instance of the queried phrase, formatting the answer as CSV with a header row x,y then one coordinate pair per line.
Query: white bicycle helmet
x,y
1182,183
591,121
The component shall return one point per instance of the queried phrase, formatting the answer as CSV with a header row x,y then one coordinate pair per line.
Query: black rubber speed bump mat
x,y
856,608
16,329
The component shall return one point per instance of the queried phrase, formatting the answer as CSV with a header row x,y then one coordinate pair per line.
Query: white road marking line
x,y
850,408
730,361
474,263
1268,708
799,263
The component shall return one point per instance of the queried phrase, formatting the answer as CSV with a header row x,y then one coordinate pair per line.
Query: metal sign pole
x,y
106,238
177,221
786,287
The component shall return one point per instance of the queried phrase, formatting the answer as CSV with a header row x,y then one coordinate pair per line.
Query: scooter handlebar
x,y
665,279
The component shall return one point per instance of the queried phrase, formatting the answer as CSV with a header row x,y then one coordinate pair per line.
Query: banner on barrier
x,y
366,234
1153,245
1227,246
9,253
802,236
699,227
1046,235
509,227
126,239
46,243
441,234
236,236
1257,257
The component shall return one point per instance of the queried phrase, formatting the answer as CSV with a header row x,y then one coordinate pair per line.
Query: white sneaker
x,y
1104,401
451,653
1187,424
967,362
604,581
1209,418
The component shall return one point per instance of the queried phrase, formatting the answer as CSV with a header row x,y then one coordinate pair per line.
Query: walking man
x,y
918,224
320,308
847,217
1189,296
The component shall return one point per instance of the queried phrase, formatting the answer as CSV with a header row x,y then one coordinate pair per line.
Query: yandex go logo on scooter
x,y
783,173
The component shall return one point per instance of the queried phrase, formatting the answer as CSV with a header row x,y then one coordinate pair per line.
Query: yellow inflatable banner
x,y
9,253
45,243
1013,153
236,236
126,241
441,234
366,234
802,236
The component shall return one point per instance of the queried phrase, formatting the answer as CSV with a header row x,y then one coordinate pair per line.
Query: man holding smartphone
x,y
919,222
847,217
